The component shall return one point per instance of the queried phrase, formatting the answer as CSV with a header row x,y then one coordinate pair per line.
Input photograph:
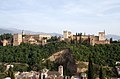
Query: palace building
x,y
90,39
39,39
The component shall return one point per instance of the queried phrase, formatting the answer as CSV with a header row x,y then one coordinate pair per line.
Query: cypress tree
x,y
80,40
10,73
101,73
90,69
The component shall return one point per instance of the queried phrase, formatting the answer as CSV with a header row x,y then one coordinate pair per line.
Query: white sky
x,y
89,16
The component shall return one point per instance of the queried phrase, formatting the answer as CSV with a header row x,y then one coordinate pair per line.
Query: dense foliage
x,y
34,55
6,36
105,55
102,54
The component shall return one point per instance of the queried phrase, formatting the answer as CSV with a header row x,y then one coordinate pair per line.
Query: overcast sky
x,y
89,16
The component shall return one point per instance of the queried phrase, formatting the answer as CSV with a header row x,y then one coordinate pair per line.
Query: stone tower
x,y
60,70
66,34
92,40
102,36
17,39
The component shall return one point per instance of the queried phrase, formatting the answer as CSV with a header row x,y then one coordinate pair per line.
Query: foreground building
x,y
27,75
46,74
89,39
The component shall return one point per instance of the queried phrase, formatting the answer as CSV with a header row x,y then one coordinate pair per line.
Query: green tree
x,y
80,40
6,36
53,39
11,73
111,40
101,74
90,69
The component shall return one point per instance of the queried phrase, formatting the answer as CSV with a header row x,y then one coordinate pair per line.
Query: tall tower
x,y
60,70
17,39
66,34
92,40
102,36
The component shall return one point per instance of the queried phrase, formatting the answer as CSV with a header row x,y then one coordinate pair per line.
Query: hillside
x,y
65,58
60,53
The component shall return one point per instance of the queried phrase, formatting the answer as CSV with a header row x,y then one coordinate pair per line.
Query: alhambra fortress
x,y
32,39
41,39
90,39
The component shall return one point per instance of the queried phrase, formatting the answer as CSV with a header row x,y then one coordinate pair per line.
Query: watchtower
x,y
101,36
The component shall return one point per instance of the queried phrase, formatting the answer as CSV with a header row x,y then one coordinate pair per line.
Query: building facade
x,y
89,39
17,39
32,39
67,34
